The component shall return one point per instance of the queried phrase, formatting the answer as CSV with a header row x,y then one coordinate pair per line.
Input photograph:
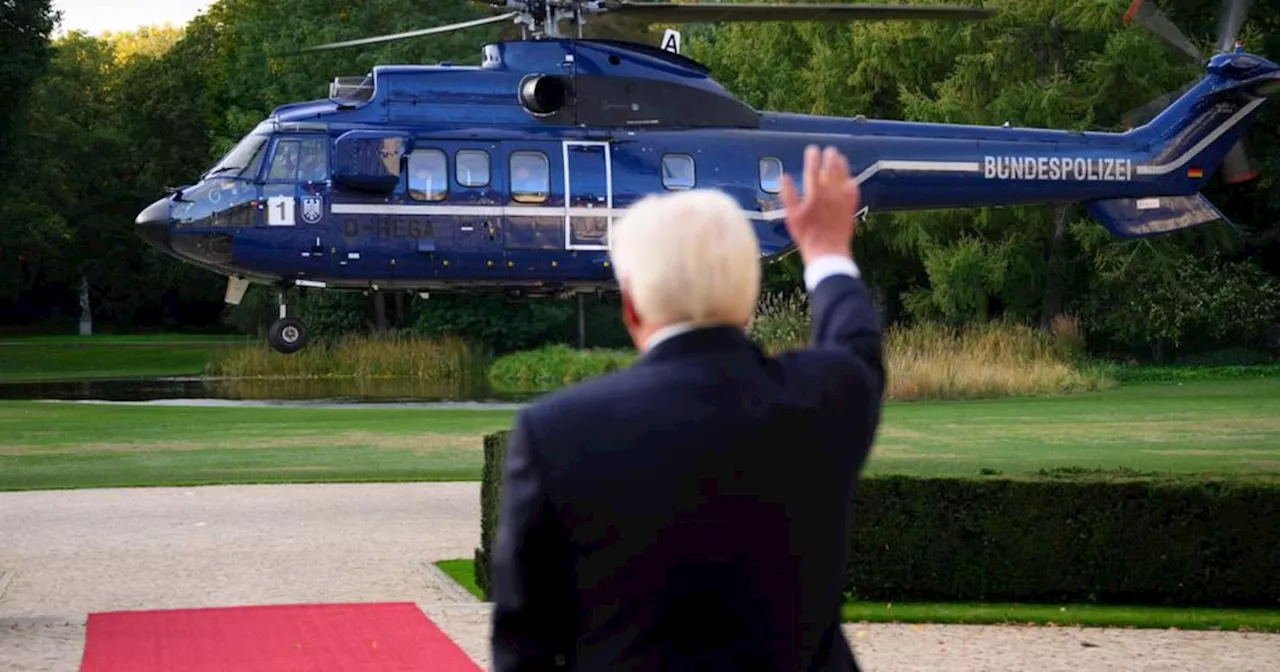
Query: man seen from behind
x,y
692,512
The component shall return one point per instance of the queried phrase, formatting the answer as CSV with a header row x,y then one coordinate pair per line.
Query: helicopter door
x,y
295,192
588,194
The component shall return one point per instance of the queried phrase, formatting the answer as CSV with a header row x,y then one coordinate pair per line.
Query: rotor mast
x,y
542,18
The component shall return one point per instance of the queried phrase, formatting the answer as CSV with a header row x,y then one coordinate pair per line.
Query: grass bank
x,y
972,613
388,355
1208,427
924,362
38,358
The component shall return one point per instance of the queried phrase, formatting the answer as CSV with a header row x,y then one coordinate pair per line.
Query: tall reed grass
x,y
389,355
932,361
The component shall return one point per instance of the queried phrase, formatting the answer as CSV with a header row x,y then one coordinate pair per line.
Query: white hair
x,y
688,256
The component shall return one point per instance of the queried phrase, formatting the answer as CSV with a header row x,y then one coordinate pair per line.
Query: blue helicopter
x,y
507,176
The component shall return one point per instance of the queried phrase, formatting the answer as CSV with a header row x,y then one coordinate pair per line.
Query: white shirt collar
x,y
669,331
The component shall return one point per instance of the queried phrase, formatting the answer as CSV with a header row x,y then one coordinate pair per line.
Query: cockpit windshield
x,y
243,159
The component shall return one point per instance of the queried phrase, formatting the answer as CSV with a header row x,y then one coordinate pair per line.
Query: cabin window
x,y
771,174
530,177
472,167
428,175
300,160
677,171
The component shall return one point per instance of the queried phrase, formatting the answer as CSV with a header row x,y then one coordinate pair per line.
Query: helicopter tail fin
x,y
1149,216
1205,125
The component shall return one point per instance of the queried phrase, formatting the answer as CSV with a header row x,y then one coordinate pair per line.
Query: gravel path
x,y
64,554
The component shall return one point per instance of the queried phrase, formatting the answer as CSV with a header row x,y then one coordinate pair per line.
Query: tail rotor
x,y
1238,166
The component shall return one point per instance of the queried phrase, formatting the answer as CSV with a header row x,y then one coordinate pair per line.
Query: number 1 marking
x,y
280,211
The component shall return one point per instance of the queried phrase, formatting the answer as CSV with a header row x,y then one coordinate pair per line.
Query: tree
x,y
26,226
25,26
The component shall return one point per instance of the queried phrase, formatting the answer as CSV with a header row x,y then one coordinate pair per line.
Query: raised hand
x,y
823,222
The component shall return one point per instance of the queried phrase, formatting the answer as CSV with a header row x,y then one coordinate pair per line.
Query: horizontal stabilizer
x,y
1262,86
1152,215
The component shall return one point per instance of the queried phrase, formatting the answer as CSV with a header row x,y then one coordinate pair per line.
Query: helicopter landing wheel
x,y
287,336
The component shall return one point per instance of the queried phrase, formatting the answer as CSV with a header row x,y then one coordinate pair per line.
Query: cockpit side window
x,y
300,160
240,160
313,165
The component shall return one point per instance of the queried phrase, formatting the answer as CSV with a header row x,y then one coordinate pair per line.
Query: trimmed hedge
x,y
495,449
1065,536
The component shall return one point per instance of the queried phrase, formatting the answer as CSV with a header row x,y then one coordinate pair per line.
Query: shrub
x,y
554,366
781,322
510,326
1180,303
1067,536
1063,535
495,447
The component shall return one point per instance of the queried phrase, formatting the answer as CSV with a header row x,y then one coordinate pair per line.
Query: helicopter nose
x,y
153,224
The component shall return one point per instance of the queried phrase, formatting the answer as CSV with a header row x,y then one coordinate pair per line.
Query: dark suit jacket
x,y
692,511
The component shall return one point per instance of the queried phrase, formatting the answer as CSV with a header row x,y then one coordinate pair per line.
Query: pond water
x,y
242,392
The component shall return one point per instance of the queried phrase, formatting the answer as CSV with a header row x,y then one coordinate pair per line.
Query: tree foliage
x,y
1068,64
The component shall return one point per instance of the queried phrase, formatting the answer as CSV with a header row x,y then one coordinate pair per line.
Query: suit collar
x,y
692,340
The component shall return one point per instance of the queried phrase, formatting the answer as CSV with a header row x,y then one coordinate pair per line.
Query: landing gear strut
x,y
288,334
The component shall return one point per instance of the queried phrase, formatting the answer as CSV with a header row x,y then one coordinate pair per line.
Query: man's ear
x,y
630,317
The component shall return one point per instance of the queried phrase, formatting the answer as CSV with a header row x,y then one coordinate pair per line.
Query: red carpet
x,y
392,637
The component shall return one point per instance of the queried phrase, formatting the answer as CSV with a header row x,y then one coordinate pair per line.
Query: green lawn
x,y
1216,427
1211,426
64,445
1256,620
120,339
108,356
463,572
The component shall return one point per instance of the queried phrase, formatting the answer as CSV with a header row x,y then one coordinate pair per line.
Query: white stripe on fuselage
x,y
767,215
1209,139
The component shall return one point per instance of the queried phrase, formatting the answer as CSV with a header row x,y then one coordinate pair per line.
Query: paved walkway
x,y
64,554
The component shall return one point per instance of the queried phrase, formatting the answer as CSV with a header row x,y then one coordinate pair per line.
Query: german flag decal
x,y
1195,172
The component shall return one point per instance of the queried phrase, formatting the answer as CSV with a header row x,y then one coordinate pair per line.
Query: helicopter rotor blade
x,y
414,33
1148,15
1230,20
674,12
1148,111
